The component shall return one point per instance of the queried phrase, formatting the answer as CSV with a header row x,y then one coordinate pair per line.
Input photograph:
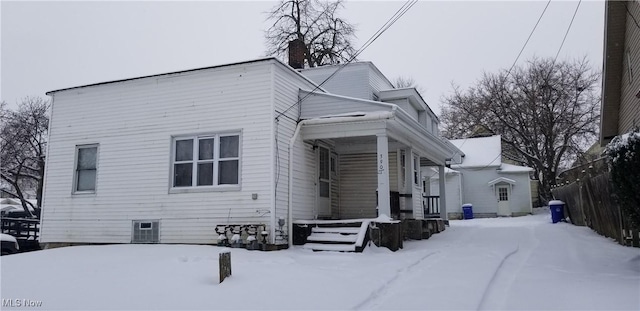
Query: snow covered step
x,y
344,230
333,237
330,247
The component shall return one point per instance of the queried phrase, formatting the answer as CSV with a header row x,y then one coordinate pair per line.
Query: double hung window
x,y
86,169
206,161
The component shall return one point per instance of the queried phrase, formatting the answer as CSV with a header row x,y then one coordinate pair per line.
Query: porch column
x,y
443,197
384,206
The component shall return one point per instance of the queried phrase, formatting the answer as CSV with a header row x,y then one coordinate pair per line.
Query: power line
x,y
632,17
528,38
397,15
567,32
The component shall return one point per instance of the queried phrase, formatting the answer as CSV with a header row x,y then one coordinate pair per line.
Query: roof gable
x,y
479,152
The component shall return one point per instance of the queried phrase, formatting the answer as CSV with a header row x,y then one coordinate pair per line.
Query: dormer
x,y
359,80
409,100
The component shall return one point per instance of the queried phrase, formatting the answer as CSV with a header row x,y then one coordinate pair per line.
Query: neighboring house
x,y
621,70
168,158
494,188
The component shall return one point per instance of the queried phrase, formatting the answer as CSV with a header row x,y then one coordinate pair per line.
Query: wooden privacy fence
x,y
589,202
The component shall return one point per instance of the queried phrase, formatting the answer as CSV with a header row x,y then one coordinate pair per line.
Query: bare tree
x,y
405,82
23,139
546,112
327,38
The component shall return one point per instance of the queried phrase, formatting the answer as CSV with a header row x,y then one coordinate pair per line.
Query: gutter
x,y
380,116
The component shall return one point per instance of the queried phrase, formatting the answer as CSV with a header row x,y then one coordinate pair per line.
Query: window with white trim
x,y
86,168
206,161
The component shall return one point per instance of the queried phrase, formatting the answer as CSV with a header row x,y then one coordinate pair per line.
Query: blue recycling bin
x,y
467,211
556,208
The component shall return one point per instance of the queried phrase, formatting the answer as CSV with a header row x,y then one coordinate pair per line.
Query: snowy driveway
x,y
481,264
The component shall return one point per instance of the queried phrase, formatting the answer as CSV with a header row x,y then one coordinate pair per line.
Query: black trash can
x,y
467,211
556,207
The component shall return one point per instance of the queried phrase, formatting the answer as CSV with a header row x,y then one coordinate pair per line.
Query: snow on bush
x,y
623,157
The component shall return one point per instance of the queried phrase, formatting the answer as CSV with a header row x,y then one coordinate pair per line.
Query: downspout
x,y
292,141
381,116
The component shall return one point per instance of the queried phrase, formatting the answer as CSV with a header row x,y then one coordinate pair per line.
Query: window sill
x,y
83,193
205,189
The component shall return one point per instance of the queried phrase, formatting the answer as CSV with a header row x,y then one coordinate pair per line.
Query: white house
x,y
492,187
170,158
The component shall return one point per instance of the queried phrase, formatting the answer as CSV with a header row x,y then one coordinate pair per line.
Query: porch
x,y
354,235
362,176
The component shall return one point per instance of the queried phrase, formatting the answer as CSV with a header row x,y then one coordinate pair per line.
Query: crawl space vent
x,y
145,231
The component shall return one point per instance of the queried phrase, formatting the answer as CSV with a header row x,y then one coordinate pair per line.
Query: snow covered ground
x,y
480,264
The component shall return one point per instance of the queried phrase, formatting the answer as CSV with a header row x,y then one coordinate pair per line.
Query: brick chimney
x,y
296,53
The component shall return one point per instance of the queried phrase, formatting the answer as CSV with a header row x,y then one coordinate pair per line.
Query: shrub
x,y
623,157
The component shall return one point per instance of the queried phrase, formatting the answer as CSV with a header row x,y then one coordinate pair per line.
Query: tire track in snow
x,y
492,281
496,292
380,293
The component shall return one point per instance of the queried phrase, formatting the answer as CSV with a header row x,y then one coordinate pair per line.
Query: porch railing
x,y
431,205
26,231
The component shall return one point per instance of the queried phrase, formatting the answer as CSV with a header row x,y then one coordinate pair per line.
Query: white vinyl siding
x,y
317,105
482,196
134,122
352,80
405,105
285,94
377,81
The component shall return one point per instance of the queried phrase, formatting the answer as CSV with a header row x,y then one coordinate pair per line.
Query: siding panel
x,y
629,113
358,184
133,123
352,81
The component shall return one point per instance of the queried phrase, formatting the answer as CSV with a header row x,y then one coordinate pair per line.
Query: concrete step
x,y
332,237
330,247
344,230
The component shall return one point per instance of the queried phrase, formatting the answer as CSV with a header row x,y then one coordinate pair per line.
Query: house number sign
x,y
380,163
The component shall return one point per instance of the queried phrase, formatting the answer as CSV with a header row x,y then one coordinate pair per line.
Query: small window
x,y
206,161
146,226
86,169
503,194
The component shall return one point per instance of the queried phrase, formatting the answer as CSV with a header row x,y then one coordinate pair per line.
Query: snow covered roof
x,y
510,168
265,59
433,173
479,152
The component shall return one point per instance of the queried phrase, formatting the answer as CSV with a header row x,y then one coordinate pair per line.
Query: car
x,y
9,244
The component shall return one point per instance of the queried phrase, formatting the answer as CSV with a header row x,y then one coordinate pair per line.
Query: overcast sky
x,y
52,45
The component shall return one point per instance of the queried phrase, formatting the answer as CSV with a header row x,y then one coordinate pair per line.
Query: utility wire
x,y
514,64
567,32
632,17
528,38
397,15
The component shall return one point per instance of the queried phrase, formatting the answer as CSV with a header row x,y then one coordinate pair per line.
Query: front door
x,y
503,193
323,199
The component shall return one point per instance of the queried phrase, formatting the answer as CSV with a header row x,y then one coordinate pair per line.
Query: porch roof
x,y
353,117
